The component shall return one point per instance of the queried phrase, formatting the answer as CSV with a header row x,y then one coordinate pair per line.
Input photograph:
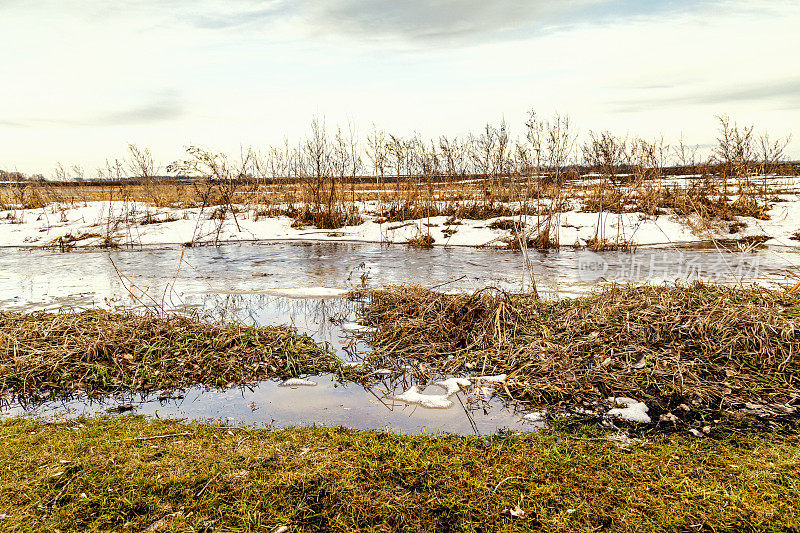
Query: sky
x,y
82,79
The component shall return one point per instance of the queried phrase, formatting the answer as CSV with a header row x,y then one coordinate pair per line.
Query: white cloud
x,y
87,79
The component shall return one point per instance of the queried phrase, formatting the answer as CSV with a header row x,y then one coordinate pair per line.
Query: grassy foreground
x,y
128,474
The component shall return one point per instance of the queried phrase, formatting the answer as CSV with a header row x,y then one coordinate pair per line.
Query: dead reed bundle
x,y
99,351
708,345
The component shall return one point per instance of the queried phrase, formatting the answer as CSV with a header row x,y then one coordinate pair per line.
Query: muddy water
x,y
298,284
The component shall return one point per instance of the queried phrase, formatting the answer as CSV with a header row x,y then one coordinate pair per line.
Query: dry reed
x,y
708,345
99,351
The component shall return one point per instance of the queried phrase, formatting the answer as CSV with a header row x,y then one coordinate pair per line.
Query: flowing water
x,y
301,285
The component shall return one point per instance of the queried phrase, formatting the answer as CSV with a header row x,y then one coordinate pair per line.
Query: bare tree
x,y
734,150
377,152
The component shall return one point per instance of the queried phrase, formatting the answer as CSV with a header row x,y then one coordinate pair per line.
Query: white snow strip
x,y
631,410
500,378
353,326
307,292
138,223
297,382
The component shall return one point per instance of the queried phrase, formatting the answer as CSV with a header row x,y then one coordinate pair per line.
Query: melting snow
x,y
535,416
435,401
631,410
353,326
453,385
431,401
297,382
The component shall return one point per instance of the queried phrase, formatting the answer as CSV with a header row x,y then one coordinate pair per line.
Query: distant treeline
x,y
547,147
789,168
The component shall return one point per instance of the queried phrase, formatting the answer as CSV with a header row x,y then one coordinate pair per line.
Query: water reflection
x,y
330,403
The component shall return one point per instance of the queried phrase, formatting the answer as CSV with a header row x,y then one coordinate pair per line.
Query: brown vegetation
x,y
702,345
99,351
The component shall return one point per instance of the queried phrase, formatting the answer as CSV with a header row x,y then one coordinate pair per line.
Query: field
x,y
669,405
131,475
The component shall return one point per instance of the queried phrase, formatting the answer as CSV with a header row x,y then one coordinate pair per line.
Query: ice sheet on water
x,y
307,292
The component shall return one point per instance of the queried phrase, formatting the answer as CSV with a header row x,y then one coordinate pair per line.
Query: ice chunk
x,y
453,385
431,401
297,382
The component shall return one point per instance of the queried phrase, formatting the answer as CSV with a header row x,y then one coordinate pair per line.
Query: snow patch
x,y
453,385
631,410
430,401
297,382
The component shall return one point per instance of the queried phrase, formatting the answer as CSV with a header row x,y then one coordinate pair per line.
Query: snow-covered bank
x,y
139,224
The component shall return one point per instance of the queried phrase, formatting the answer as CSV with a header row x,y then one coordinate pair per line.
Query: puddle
x,y
300,285
329,403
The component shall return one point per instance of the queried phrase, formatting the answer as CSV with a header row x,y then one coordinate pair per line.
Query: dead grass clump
x,y
324,219
426,207
505,224
706,345
602,199
541,240
99,351
597,244
421,241
67,242
150,218
709,204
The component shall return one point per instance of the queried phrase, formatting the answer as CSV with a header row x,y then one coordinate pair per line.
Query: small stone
x,y
668,417
516,512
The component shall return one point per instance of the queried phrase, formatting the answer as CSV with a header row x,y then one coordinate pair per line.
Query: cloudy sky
x,y
81,79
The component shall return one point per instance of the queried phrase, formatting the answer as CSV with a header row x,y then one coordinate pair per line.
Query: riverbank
x,y
127,474
665,349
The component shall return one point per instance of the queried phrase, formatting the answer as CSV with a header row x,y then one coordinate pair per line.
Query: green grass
x,y
90,475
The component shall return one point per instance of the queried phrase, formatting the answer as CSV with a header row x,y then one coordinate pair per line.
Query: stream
x,y
302,285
